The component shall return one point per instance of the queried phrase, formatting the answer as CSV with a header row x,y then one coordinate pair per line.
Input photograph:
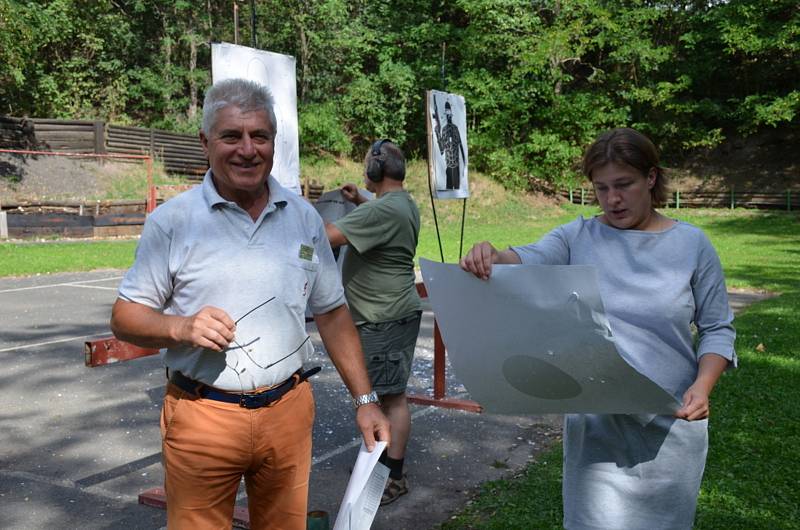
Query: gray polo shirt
x,y
199,249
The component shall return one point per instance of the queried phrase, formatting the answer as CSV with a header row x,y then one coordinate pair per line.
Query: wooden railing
x,y
180,153
786,200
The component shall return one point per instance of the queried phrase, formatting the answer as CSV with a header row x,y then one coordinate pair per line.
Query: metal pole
x,y
733,199
677,199
235,23
583,196
430,175
463,219
444,79
570,195
253,23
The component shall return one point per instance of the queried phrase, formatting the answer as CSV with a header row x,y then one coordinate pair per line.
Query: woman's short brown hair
x,y
632,148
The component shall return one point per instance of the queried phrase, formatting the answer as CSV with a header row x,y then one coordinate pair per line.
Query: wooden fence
x,y
16,133
180,153
787,200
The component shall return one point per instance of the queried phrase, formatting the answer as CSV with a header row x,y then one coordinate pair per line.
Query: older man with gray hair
x,y
222,277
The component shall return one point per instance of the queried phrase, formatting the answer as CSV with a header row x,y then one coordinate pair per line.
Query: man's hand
x,y
210,328
344,348
373,424
139,324
350,192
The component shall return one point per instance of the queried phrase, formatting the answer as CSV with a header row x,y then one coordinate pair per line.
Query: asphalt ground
x,y
78,444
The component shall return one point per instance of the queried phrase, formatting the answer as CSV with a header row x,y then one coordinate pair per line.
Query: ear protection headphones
x,y
375,165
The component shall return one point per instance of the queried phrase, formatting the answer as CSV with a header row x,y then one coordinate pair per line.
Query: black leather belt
x,y
248,401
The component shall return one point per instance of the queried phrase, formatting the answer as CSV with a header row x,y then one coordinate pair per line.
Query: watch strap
x,y
365,399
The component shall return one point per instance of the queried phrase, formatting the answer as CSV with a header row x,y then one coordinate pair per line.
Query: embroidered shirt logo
x,y
306,252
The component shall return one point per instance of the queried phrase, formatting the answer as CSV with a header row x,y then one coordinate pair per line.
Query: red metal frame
x,y
110,350
438,399
157,498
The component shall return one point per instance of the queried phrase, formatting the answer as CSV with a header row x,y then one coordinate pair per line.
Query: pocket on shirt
x,y
305,264
301,277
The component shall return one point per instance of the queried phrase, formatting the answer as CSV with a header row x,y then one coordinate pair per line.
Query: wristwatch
x,y
364,399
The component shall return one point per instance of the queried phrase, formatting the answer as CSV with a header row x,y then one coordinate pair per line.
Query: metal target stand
x,y
439,399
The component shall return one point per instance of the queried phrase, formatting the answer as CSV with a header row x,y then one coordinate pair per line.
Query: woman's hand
x,y
695,404
479,260
483,255
695,400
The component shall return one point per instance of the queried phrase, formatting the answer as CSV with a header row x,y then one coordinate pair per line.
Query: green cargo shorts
x,y
388,351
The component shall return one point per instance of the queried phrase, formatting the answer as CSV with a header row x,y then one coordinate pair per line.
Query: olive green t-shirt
x,y
378,269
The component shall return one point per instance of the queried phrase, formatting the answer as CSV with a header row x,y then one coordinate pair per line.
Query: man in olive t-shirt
x,y
378,278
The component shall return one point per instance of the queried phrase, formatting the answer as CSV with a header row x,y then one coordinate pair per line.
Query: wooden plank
x,y
68,147
57,128
186,160
11,120
117,231
110,350
49,121
176,137
75,140
127,136
201,165
132,129
89,204
127,151
119,219
41,231
189,143
48,220
194,143
189,150
128,142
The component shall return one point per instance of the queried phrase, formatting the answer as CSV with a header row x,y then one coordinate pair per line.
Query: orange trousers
x,y
208,446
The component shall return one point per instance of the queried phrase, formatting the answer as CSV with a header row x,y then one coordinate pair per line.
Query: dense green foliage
x,y
541,77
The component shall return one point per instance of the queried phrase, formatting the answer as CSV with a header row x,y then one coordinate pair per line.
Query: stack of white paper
x,y
363,494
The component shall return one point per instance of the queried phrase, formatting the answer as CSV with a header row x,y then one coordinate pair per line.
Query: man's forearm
x,y
210,328
142,325
344,348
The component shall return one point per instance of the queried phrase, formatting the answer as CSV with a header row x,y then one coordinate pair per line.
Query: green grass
x,y
25,259
132,184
